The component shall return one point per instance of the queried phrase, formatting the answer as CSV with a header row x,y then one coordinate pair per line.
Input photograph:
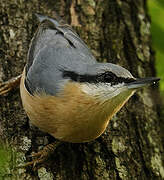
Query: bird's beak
x,y
141,82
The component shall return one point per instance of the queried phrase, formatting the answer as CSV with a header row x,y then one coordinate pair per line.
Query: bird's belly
x,y
85,132
70,130
71,118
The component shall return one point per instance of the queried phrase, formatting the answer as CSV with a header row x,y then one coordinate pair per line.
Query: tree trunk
x,y
116,31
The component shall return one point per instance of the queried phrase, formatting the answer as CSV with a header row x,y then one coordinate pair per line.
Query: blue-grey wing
x,y
55,48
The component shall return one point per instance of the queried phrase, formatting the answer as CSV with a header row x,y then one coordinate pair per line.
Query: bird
x,y
65,91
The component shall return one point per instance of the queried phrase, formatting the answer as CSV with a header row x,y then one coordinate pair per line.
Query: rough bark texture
x,y
117,31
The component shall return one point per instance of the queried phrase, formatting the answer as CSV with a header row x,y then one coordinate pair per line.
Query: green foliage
x,y
156,11
7,161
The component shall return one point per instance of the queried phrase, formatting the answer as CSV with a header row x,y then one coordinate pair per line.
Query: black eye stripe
x,y
106,77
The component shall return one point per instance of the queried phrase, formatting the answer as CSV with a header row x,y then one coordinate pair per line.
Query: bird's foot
x,y
7,86
42,155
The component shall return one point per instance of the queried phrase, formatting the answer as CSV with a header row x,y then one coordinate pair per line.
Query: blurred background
x,y
156,12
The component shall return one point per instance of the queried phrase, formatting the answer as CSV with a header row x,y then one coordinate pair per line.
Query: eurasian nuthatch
x,y
65,91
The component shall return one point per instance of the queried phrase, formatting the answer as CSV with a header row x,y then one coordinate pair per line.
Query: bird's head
x,y
106,81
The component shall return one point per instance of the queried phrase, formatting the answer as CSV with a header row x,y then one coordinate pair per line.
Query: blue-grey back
x,y
55,48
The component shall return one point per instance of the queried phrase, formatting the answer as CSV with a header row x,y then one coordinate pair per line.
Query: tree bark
x,y
117,32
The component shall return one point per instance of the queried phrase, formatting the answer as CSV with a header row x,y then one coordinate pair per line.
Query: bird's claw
x,y
41,156
7,86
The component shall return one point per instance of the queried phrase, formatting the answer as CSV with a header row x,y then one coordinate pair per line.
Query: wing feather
x,y
55,47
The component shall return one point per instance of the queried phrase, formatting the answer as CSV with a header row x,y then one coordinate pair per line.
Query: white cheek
x,y
103,91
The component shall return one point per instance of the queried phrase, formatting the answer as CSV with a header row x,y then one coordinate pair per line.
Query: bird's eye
x,y
109,77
